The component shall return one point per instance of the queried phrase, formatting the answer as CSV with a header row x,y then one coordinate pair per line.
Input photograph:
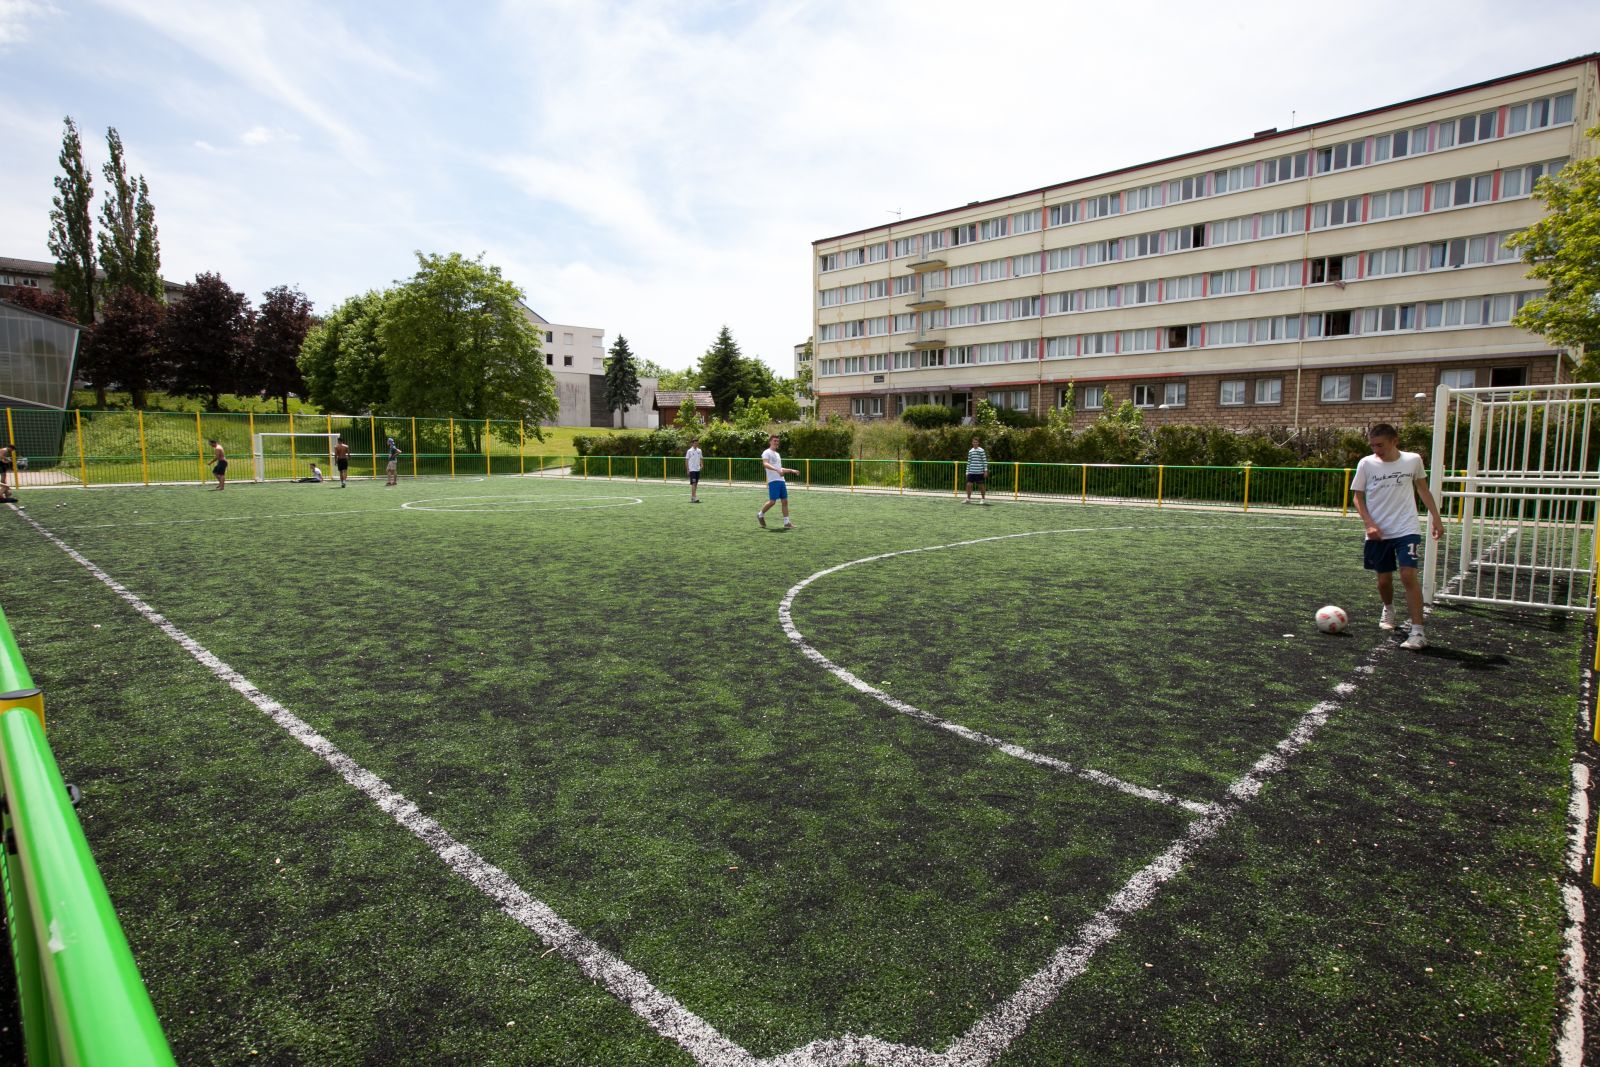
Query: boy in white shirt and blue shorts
x,y
693,460
1386,487
777,488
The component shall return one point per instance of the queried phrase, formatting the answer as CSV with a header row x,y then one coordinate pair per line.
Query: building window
x,y
1094,397
1335,388
1144,396
566,338
549,360
1269,390
1459,379
566,361
1014,399
1177,337
866,407
1377,386
1231,394
1175,395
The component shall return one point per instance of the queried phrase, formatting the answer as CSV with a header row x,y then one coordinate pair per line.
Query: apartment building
x,y
1319,276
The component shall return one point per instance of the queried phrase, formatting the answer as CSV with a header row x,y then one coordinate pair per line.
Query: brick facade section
x,y
1203,407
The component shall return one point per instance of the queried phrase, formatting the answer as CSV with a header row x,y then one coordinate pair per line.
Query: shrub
x,y
929,416
811,440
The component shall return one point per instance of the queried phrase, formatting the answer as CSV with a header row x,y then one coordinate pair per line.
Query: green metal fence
x,y
79,993
1244,487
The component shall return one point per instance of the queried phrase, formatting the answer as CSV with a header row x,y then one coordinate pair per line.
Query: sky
x,y
660,168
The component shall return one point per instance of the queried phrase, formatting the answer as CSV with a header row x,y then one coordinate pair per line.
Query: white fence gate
x,y
1516,473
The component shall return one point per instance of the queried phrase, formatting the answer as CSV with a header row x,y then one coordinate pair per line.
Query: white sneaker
x,y
787,525
762,519
1386,620
1416,641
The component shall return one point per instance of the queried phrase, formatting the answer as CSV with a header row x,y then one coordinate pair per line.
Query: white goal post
x,y
307,446
1516,472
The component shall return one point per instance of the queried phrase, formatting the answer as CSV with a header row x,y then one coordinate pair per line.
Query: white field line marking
x,y
663,1013
484,505
810,651
1569,1045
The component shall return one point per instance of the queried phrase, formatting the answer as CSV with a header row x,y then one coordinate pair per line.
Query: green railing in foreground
x,y
1163,485
78,989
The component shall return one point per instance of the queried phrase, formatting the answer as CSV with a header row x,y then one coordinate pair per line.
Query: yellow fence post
x,y
330,423
372,434
730,470
144,456
488,464
1085,483
902,477
522,440
413,450
1345,511
250,428
199,444
294,464
852,474
664,468
1016,481
585,468
808,474
1247,486
11,439
1161,484
955,480
541,464
452,446
83,463
636,467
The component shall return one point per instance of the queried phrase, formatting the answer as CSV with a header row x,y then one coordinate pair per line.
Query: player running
x,y
341,459
1386,487
777,488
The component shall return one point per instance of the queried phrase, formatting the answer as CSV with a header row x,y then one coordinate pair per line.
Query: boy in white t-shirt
x,y
693,461
777,488
1386,487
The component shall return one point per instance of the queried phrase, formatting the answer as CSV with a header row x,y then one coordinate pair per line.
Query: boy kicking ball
x,y
1386,487
777,488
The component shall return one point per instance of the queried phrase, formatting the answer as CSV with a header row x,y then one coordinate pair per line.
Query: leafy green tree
x,y
622,378
71,239
279,332
688,419
456,343
341,358
670,381
129,253
206,339
780,407
803,377
1563,250
125,345
756,379
722,372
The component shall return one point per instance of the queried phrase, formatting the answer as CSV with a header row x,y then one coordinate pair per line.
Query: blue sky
x,y
659,169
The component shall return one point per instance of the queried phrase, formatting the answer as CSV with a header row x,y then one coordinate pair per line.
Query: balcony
x,y
922,266
922,344
927,303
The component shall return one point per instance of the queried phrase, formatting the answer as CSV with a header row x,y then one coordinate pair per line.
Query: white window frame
x,y
1332,396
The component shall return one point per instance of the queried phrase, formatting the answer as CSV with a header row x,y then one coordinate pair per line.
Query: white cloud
x,y
15,16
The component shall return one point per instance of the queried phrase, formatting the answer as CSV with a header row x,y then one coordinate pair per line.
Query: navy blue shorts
x,y
1386,554
778,490
342,464
975,477
694,477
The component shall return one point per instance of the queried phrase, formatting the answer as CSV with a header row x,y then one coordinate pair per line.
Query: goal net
x,y
290,455
1516,473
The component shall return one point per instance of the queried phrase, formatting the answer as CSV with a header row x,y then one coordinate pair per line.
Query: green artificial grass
x,y
599,700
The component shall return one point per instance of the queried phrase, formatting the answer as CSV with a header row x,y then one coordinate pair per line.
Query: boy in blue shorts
x,y
1386,487
777,488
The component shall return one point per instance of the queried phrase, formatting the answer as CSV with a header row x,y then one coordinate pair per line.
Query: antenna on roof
x,y
1292,114
893,211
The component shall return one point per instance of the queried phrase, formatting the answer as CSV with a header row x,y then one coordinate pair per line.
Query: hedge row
x,y
806,440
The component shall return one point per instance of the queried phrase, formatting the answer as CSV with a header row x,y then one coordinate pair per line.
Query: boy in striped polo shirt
x,y
977,471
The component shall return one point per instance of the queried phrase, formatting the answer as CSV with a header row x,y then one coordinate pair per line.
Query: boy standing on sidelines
x,y
777,488
393,469
341,459
977,471
693,461
1386,486
220,465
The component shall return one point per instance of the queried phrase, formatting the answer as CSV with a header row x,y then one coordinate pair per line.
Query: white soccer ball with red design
x,y
1331,619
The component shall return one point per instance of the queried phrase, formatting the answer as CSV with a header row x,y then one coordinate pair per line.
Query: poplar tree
x,y
71,229
129,252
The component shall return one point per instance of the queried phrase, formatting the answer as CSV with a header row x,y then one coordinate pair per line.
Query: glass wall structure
x,y
37,356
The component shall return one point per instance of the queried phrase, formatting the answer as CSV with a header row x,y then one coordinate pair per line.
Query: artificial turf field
x,y
589,686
